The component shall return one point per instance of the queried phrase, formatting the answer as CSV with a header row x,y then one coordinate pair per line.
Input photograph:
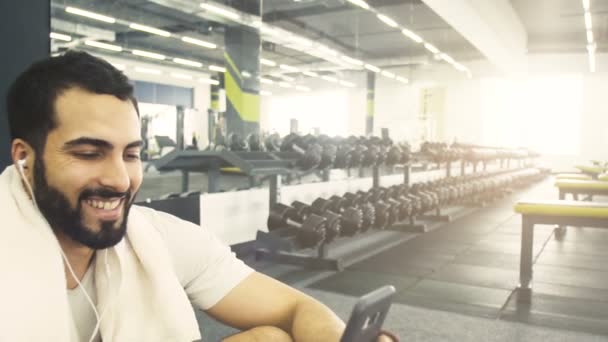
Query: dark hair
x,y
31,97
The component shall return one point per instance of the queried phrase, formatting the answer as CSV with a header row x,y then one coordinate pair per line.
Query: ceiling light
x,y
209,81
589,36
388,21
221,11
588,20
388,74
287,78
148,71
266,80
360,3
348,84
327,50
269,30
372,68
150,30
245,74
199,42
181,76
148,54
267,62
217,68
431,48
284,85
91,15
411,35
446,58
103,45
402,79
586,5
460,67
288,68
352,60
60,36
310,74
265,93
302,88
187,62
300,40
118,66
330,79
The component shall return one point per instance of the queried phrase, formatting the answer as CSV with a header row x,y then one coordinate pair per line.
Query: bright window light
x,y
330,118
545,112
431,48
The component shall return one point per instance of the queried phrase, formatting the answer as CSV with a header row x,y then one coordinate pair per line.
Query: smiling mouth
x,y
104,205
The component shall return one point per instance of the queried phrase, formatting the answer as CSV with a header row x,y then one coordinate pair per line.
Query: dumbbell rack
x,y
251,164
342,252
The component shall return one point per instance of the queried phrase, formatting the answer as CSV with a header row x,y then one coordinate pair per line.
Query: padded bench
x,y
577,176
581,187
591,170
560,212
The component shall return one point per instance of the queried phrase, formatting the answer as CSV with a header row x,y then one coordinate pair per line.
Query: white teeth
x,y
110,205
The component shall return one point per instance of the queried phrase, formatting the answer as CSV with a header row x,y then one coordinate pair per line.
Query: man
x,y
80,263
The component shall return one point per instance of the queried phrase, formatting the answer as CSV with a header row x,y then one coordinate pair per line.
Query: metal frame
x,y
524,288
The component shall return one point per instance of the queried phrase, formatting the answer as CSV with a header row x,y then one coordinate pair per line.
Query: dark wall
x,y
24,33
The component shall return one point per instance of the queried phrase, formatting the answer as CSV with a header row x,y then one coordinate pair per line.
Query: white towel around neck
x,y
141,300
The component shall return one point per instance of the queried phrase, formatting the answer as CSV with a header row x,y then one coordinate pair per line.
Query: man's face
x,y
87,177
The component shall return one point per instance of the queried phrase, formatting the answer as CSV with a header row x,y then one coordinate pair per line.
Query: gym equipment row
x,y
305,234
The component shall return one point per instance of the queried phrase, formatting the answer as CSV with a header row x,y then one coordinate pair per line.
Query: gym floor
x,y
456,282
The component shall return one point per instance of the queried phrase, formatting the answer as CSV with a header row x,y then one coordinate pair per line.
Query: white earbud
x,y
21,164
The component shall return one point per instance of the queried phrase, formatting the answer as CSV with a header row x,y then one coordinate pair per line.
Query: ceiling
x,y
553,26
558,26
337,24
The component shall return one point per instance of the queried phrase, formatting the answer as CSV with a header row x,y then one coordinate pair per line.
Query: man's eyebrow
x,y
88,141
138,143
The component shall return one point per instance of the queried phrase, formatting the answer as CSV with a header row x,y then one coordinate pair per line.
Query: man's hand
x,y
387,337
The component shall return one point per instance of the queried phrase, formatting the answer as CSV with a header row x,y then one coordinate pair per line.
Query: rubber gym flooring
x,y
456,282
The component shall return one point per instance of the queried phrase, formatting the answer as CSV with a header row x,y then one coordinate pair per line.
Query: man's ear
x,y
22,154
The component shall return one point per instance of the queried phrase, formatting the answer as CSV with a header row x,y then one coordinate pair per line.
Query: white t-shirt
x,y
206,268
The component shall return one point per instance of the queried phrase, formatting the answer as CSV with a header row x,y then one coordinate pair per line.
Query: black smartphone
x,y
368,315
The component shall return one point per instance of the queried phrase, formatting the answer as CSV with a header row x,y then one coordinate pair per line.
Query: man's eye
x,y
132,156
87,155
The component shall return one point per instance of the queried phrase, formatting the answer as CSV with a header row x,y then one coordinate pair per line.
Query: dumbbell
x,y
309,233
381,210
352,200
237,143
254,142
273,143
405,204
379,195
393,155
310,154
417,202
352,217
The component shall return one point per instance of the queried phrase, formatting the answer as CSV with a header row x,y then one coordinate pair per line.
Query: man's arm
x,y
260,300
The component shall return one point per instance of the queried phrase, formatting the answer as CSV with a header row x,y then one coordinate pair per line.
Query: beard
x,y
62,217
